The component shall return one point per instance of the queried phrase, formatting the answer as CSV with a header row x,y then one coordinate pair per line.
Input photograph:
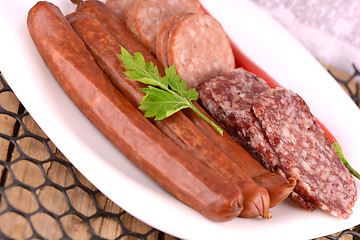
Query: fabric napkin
x,y
330,30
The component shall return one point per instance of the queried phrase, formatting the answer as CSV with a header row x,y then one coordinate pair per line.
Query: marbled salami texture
x,y
305,153
229,98
277,128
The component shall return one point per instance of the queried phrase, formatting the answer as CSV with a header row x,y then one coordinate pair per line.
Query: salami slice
x,y
305,153
229,98
199,48
249,131
144,17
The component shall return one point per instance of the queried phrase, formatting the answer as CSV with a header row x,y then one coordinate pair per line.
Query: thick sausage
x,y
86,85
199,48
177,127
144,17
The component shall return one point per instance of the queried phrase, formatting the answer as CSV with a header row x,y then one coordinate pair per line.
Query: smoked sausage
x,y
177,127
78,74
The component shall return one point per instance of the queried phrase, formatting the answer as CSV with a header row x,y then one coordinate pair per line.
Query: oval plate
x,y
258,36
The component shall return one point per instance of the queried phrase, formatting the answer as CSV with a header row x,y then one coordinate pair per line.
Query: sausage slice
x,y
199,48
144,17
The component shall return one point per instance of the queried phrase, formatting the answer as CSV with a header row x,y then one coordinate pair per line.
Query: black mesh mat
x,y
7,166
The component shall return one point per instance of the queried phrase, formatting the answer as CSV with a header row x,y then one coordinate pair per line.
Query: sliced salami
x,y
144,17
229,98
199,48
305,153
249,131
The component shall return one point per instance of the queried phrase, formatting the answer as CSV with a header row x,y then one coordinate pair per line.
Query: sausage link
x,y
178,127
78,74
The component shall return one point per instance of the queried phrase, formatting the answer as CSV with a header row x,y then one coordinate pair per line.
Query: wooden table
x,y
44,196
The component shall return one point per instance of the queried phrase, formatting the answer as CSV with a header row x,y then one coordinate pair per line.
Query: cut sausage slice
x,y
199,48
162,38
144,17
305,153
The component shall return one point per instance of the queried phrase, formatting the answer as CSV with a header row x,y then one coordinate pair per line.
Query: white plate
x,y
259,37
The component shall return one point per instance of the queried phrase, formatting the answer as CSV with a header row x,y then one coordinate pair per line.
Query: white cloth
x,y
329,29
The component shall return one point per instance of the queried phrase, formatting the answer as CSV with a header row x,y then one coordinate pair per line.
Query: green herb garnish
x,y
342,157
164,96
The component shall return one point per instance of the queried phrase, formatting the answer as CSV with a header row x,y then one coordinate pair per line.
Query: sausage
x,y
181,130
305,153
78,74
199,48
277,186
144,17
178,127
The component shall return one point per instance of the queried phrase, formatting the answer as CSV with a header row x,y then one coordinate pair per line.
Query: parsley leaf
x,y
164,96
160,103
342,157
